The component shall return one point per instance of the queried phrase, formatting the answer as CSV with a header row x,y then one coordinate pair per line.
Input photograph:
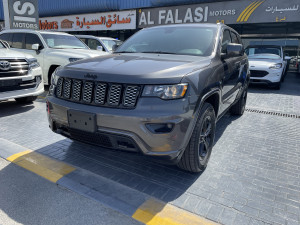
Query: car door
x,y
228,66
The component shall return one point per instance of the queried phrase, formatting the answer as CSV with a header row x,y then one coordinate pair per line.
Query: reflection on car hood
x,y
137,68
77,53
7,53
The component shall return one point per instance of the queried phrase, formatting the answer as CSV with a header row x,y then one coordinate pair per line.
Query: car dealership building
x,y
258,21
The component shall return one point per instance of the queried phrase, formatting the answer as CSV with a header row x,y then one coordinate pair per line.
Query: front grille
x,y
18,67
258,73
98,93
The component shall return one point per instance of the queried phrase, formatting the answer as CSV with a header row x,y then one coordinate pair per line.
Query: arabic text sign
x,y
229,12
122,20
21,14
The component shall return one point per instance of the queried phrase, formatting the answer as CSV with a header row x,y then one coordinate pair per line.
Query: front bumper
x,y
126,128
273,76
31,85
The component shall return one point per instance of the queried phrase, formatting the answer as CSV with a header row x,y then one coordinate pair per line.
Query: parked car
x,y
51,49
267,64
160,93
20,76
100,43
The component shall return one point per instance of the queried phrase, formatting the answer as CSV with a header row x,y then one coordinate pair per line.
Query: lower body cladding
x,y
29,85
156,128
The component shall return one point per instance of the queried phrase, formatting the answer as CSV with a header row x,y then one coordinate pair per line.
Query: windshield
x,y
177,40
1,45
263,52
110,43
63,41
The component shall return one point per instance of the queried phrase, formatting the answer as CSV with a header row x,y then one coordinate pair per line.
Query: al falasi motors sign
x,y
121,20
228,12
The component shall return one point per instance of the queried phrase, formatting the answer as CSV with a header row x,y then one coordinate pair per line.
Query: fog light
x,y
160,128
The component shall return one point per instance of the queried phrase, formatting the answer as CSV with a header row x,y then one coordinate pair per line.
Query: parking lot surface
x,y
252,176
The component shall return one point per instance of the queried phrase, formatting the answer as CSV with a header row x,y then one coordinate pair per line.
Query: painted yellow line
x,y
238,19
154,212
249,10
42,97
42,165
246,19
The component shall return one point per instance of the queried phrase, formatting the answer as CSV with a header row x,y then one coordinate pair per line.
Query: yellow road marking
x,y
238,19
16,156
42,165
249,10
246,19
154,212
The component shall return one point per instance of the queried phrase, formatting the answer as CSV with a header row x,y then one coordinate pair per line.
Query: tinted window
x,y
234,38
180,40
226,40
31,39
17,40
6,37
83,40
92,43
263,52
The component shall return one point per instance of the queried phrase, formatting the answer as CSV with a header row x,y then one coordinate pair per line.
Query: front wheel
x,y
197,153
26,99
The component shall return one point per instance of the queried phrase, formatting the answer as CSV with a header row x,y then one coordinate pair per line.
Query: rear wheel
x,y
26,99
197,153
239,107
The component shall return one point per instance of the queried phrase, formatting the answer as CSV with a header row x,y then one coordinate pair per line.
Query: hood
x,y
261,63
7,53
77,53
136,68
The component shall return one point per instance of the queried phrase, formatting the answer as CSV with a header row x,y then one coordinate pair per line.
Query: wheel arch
x,y
50,71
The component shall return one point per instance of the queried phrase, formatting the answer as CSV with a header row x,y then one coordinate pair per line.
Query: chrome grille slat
x,y
87,91
67,88
98,93
59,87
76,90
18,67
130,96
114,94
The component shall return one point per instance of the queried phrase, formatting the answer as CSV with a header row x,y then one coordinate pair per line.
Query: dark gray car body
x,y
213,79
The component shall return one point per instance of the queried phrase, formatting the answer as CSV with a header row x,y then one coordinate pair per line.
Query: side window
x,y
226,40
92,43
235,38
31,39
83,40
6,37
17,41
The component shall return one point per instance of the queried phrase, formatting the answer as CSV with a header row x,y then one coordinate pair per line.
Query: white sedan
x,y
267,64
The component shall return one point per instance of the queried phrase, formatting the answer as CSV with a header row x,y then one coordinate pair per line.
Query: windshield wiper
x,y
124,52
159,52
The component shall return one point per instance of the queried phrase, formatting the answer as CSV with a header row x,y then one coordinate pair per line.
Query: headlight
x,y
33,63
54,77
165,91
74,59
276,66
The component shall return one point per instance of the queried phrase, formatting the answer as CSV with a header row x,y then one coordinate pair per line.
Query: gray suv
x,y
159,94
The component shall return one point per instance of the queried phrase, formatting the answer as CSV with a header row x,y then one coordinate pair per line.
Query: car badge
x,y
92,76
5,65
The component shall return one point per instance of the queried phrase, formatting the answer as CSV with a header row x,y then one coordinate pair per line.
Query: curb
x,y
121,198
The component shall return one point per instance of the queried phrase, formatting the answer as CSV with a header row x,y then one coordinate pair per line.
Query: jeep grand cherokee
x,y
160,93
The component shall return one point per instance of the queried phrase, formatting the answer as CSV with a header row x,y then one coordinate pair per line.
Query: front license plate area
x,y
82,120
8,83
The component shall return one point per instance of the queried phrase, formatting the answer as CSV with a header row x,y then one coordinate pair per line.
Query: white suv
x,y
20,76
51,49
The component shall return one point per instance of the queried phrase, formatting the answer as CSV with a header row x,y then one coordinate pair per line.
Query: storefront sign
x,y
229,12
122,20
21,14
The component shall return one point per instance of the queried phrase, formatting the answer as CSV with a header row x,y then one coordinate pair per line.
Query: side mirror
x,y
35,47
114,47
100,48
233,50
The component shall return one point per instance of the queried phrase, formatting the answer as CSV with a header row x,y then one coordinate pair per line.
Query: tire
x,y
239,107
26,99
197,153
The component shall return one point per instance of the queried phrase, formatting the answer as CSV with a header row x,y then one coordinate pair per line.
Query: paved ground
x,y
29,199
252,176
